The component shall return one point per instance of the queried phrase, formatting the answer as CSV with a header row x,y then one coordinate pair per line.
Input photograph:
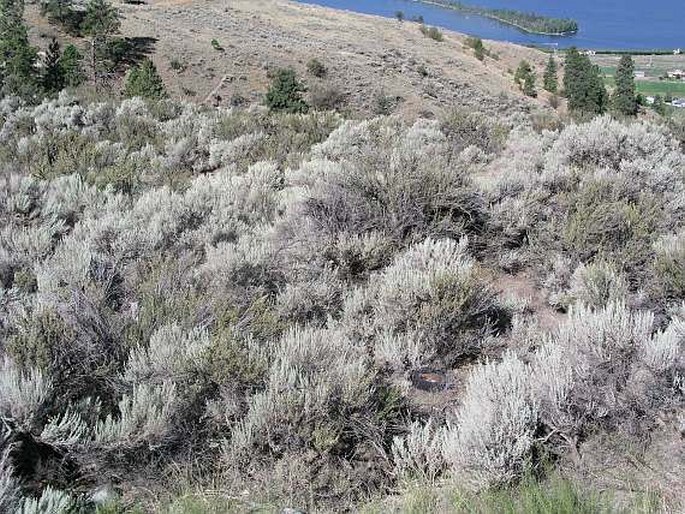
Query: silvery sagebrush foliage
x,y
51,500
598,284
9,486
603,366
418,455
491,440
255,291
23,395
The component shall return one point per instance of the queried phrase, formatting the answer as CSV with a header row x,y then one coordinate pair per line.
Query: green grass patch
x,y
661,88
555,495
654,87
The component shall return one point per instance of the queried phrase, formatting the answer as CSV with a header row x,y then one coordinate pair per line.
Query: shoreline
x,y
498,19
606,51
544,47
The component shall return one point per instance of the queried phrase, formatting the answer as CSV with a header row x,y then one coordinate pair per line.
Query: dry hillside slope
x,y
366,55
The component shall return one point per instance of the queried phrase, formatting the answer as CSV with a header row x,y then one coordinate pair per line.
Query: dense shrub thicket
x,y
244,296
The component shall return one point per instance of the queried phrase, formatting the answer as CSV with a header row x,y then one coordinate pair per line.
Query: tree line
x,y
583,84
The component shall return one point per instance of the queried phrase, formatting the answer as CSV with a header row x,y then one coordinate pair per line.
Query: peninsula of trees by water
x,y
527,22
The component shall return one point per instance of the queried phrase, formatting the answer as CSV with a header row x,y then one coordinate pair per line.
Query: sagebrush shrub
x,y
246,294
145,418
316,68
598,284
23,395
403,187
669,266
492,439
9,486
418,454
434,291
589,375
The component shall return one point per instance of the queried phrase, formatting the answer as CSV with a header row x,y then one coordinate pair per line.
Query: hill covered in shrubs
x,y
219,309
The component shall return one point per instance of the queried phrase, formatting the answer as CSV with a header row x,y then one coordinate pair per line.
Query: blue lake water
x,y
604,24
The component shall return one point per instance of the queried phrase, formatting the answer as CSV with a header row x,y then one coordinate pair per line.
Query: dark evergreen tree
x,y
624,99
18,74
52,77
102,19
63,13
144,81
101,22
550,79
525,79
573,78
479,49
583,84
71,64
597,91
285,93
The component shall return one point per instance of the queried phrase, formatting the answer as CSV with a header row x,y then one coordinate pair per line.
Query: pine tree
x,y
144,81
285,93
583,84
101,22
52,78
479,49
63,13
72,69
624,99
525,78
550,79
597,91
573,78
18,74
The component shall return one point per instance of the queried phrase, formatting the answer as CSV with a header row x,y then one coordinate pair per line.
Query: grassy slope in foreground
x,y
528,22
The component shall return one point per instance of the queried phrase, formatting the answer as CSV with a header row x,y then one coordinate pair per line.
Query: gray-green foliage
x,y
478,47
432,32
246,294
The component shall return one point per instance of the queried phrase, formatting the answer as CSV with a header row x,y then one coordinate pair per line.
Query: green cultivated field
x,y
654,66
654,87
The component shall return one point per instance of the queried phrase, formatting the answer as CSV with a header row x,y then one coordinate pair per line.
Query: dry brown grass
x,y
366,55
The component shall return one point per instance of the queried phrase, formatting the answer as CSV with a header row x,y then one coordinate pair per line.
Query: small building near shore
x,y
676,74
